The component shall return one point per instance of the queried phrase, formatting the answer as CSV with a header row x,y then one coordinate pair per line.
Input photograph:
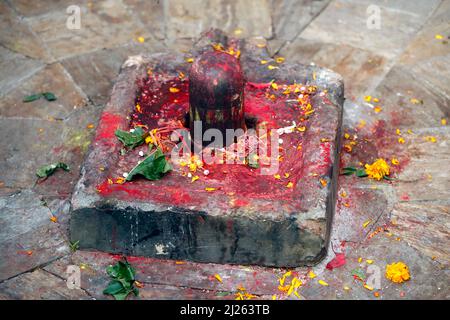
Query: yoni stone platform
x,y
234,214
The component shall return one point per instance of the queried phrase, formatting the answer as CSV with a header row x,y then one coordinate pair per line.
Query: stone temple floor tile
x,y
104,24
345,21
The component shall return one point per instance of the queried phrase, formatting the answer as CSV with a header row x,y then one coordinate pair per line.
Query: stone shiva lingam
x,y
220,155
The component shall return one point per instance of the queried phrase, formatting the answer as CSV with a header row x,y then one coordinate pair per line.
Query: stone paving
x,y
405,64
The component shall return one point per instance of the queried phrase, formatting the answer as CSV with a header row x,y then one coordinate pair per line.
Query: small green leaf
x,y
32,97
361,173
153,167
74,245
131,139
49,96
113,288
223,293
351,169
123,280
359,273
122,295
387,178
48,170
252,160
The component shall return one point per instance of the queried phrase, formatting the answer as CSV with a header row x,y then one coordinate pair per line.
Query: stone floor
x,y
405,64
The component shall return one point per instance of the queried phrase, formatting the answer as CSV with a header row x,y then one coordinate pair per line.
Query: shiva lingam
x,y
216,94
275,212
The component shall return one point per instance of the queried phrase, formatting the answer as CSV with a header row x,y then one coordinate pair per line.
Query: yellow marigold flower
x,y
217,276
397,272
323,283
148,140
377,170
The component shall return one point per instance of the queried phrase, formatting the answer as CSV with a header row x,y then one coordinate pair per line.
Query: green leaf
x,y
387,178
74,245
49,96
126,272
114,287
48,170
223,293
153,167
32,97
351,169
252,161
359,273
121,295
131,139
361,173
123,280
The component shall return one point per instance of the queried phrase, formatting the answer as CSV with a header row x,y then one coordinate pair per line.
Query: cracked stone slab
x,y
17,36
188,18
291,17
53,78
109,221
15,68
45,141
104,24
361,69
397,92
28,238
424,226
345,22
39,285
428,278
177,274
94,72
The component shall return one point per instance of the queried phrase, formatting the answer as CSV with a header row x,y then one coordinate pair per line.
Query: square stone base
x,y
175,219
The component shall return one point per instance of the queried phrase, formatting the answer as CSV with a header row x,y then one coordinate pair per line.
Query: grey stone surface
x,y
335,26
104,24
15,68
29,238
360,68
289,18
39,285
33,34
17,36
187,18
53,78
95,72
